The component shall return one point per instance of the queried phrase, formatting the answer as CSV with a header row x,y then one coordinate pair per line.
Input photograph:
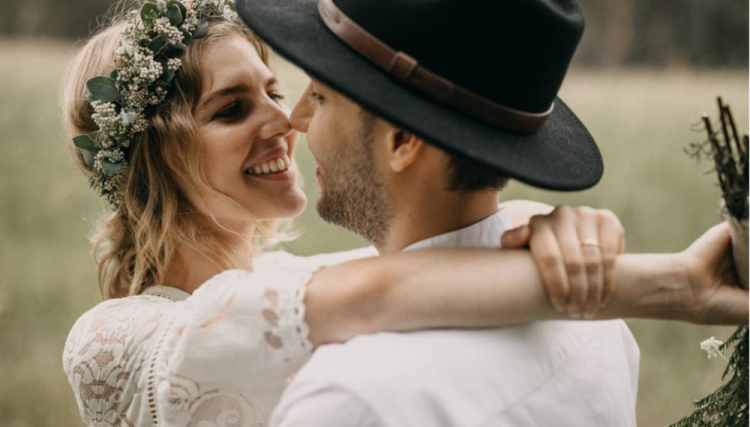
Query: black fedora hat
x,y
476,78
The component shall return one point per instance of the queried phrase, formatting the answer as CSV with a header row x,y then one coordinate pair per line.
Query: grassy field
x,y
641,119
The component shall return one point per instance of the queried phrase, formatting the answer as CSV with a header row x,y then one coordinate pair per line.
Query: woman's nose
x,y
276,125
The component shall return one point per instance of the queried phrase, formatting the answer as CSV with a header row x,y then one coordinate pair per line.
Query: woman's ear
x,y
403,149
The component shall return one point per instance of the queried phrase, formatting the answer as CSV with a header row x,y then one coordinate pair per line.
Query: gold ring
x,y
590,242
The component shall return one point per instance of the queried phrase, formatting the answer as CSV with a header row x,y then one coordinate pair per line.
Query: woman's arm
x,y
476,288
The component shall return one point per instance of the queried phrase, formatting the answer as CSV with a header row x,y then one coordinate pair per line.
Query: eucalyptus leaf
x,y
157,42
86,142
103,88
88,158
178,46
168,76
113,75
186,37
110,169
200,30
183,8
89,97
149,12
174,14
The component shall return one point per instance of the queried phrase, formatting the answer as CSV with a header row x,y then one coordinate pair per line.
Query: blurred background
x,y
645,72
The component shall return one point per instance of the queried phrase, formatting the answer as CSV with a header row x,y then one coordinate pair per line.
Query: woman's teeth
x,y
278,164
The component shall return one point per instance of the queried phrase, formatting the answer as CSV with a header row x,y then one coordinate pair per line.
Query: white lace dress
x,y
219,357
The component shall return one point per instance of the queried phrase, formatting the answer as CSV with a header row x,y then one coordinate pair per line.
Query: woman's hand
x,y
713,296
575,250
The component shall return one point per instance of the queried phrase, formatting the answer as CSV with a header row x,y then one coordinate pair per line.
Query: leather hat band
x,y
405,68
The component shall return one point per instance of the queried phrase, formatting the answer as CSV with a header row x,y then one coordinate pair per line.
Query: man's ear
x,y
403,149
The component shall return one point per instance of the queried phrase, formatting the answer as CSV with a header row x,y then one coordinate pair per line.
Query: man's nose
x,y
300,118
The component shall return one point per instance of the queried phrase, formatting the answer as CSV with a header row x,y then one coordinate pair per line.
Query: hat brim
x,y
561,155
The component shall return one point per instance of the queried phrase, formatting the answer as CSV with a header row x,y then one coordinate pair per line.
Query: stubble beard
x,y
353,194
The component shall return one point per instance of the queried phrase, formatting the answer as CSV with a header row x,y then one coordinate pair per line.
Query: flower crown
x,y
147,60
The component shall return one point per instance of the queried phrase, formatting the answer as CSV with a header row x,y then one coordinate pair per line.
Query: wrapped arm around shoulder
x,y
474,288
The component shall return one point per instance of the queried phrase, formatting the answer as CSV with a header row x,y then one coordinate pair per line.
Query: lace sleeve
x,y
241,329
105,359
227,349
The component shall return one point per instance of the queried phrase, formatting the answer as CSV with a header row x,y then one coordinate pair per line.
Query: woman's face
x,y
247,140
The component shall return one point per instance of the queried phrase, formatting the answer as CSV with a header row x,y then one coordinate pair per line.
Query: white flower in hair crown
x,y
146,60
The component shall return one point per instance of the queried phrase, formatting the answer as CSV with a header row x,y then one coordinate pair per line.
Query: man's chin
x,y
333,210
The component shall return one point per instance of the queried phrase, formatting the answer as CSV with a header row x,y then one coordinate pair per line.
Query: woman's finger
x,y
516,238
612,239
566,233
549,260
589,235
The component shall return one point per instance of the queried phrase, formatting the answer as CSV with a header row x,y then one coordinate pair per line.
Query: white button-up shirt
x,y
554,373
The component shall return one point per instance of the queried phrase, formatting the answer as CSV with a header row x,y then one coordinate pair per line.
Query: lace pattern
x,y
147,360
103,367
220,357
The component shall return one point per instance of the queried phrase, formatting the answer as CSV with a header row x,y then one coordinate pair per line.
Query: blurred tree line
x,y
660,33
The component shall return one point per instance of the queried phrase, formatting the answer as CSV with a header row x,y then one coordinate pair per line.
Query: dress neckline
x,y
168,292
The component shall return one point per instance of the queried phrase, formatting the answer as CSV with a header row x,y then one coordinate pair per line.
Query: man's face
x,y
340,137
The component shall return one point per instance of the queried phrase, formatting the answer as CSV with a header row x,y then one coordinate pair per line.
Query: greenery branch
x,y
728,405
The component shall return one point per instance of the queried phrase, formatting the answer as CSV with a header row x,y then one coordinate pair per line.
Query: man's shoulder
x,y
467,377
368,359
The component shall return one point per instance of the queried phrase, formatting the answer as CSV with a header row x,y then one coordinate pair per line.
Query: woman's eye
x,y
316,96
232,110
277,97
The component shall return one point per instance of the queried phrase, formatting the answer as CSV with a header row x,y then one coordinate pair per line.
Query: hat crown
x,y
513,52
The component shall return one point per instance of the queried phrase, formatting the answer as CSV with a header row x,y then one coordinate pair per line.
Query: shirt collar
x,y
485,233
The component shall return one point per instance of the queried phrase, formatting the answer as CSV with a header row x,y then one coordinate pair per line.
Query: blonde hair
x,y
134,245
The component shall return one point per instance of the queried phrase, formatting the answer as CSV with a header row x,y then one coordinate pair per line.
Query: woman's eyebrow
x,y
231,90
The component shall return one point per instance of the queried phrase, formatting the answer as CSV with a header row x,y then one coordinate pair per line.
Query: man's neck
x,y
422,218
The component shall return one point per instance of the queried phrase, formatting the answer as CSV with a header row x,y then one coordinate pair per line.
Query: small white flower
x,y
711,346
174,64
127,118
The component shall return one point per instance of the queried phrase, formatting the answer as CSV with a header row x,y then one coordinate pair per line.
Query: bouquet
x,y
728,405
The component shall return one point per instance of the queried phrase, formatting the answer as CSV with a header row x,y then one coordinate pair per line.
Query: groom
x,y
418,113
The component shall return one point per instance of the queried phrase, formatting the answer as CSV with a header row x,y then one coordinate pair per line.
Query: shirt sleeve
x,y
313,404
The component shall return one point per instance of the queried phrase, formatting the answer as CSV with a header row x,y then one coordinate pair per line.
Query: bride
x,y
197,323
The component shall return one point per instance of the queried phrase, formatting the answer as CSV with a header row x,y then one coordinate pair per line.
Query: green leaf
x,y
200,30
88,158
103,89
174,14
86,142
179,4
166,74
113,75
178,46
110,169
186,37
157,43
149,12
